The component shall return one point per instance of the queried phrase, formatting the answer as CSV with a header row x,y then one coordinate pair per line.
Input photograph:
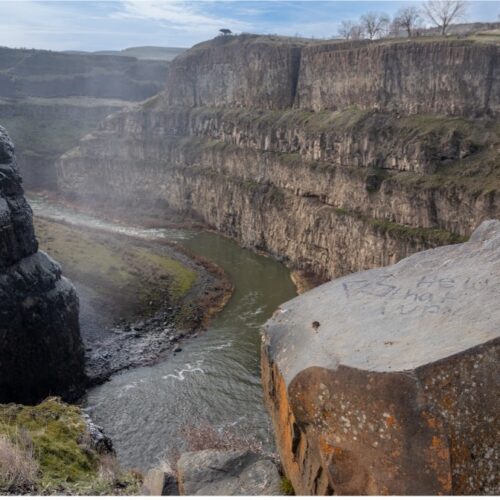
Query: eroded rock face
x,y
286,156
40,348
386,381
409,77
222,473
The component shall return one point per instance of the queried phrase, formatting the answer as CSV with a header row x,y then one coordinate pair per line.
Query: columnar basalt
x,y
40,348
245,138
384,381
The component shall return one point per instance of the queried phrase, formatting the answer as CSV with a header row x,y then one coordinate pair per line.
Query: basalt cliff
x,y
333,157
40,348
49,100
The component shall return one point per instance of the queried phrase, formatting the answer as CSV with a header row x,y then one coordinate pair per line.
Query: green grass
x,y
434,236
139,275
57,433
55,429
431,235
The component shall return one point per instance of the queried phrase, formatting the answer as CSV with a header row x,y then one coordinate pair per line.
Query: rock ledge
x,y
384,381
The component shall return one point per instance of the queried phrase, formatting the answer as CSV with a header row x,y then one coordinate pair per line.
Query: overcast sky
x,y
117,24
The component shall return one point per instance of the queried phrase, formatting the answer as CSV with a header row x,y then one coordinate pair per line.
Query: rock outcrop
x,y
223,473
386,381
40,348
158,482
330,181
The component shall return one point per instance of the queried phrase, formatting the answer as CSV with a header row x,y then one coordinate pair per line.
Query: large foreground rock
x,y
386,381
213,472
40,348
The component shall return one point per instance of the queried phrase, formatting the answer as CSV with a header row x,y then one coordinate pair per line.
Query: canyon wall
x,y
49,100
40,348
260,138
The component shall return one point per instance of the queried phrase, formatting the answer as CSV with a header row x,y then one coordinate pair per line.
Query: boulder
x,y
214,472
386,381
160,483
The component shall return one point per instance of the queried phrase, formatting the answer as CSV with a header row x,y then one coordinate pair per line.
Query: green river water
x,y
215,379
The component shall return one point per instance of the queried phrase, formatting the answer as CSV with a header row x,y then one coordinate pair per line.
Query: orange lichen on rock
x,y
356,415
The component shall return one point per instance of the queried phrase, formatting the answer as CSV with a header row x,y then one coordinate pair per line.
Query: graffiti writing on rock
x,y
427,295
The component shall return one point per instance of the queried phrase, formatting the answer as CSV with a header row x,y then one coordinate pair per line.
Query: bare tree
x,y
443,12
351,31
375,24
345,29
395,30
357,32
408,18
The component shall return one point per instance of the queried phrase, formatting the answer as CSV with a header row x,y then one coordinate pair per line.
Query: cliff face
x,y
72,92
228,73
446,77
328,191
410,77
42,73
383,382
40,347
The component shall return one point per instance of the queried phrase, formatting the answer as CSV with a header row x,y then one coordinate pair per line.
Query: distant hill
x,y
49,100
43,73
146,52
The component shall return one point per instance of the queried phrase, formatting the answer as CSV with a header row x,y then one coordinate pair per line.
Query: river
x,y
215,379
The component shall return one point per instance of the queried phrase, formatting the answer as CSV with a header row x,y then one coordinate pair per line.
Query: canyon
x,y
334,158
49,100
329,180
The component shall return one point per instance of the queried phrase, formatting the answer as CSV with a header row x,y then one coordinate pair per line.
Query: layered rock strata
x,y
49,100
246,139
40,348
386,381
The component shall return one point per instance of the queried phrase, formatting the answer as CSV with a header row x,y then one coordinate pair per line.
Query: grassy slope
x,y
112,267
57,434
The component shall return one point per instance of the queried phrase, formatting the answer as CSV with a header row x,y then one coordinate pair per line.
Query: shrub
x,y
18,467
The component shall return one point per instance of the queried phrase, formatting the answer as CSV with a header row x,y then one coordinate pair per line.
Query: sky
x,y
117,24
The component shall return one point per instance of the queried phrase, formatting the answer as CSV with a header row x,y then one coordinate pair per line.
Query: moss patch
x,y
57,433
56,430
286,487
433,236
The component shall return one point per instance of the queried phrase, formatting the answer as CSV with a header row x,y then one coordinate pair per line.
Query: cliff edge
x,y
40,348
320,154
384,381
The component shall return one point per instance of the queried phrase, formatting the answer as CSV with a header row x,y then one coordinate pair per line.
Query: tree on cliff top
x,y
350,30
375,24
443,12
225,31
408,18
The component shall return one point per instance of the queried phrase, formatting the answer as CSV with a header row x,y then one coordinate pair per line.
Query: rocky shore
x,y
132,311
